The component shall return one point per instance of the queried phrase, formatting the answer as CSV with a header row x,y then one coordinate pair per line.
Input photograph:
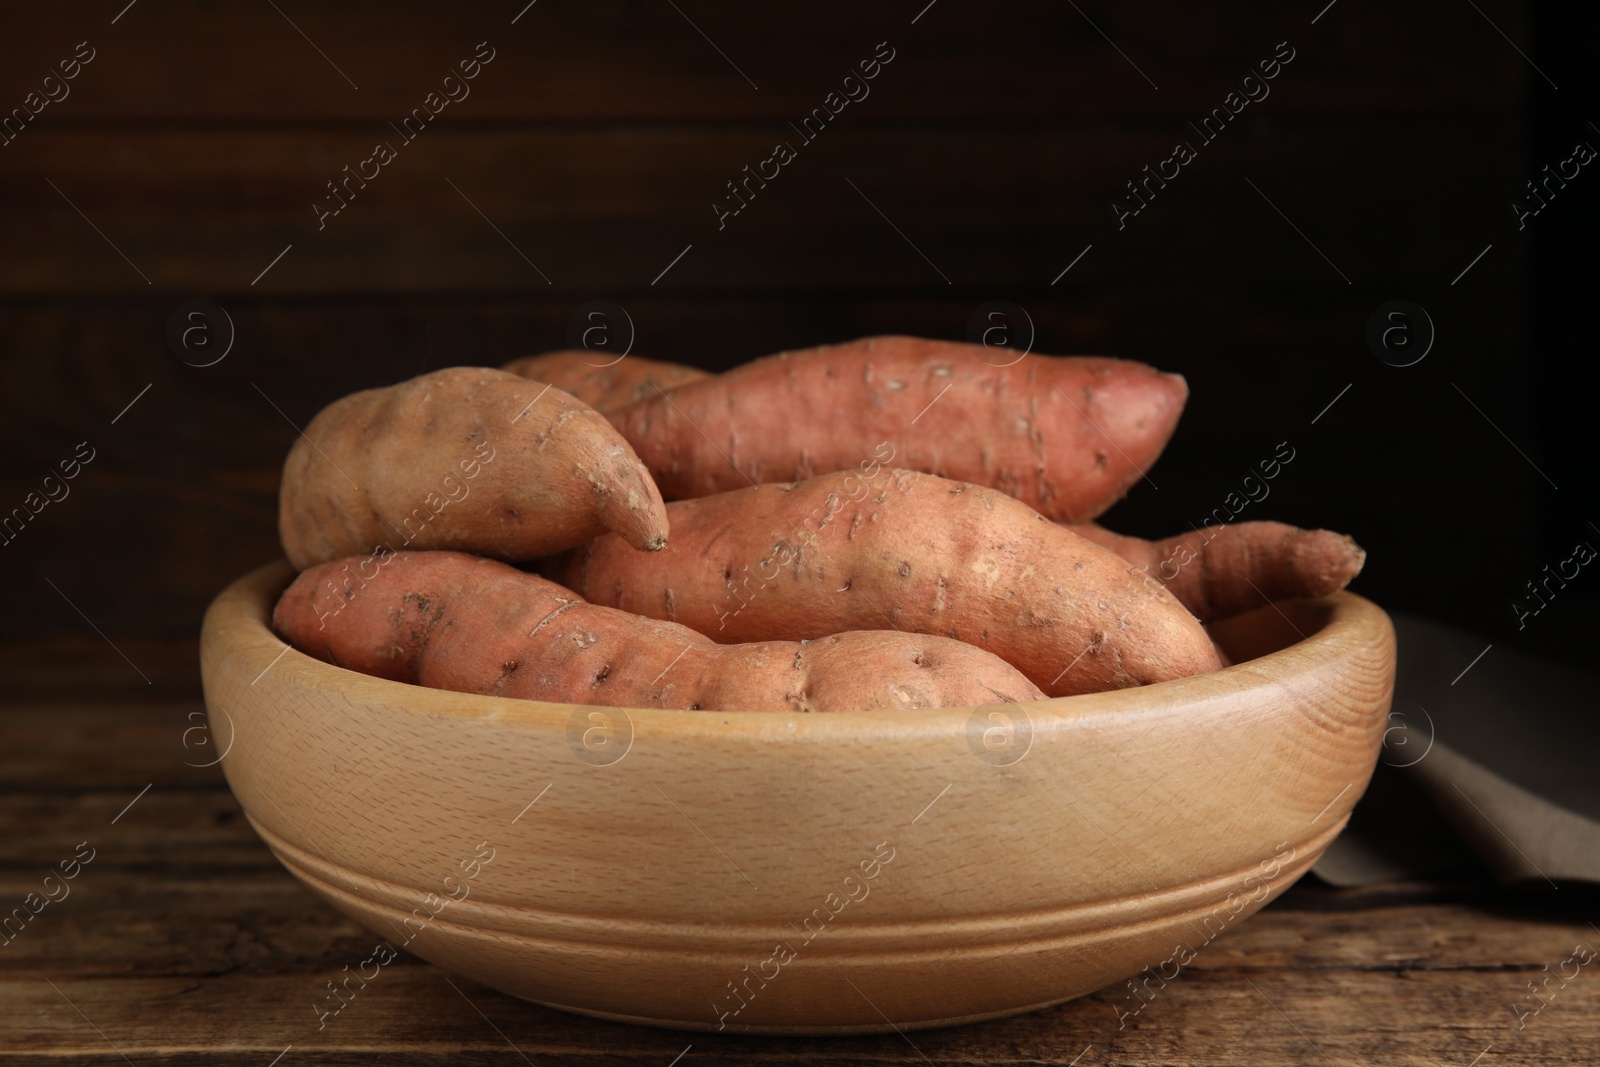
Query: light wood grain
x,y
641,886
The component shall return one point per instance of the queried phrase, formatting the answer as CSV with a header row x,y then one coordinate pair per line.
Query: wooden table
x,y
183,942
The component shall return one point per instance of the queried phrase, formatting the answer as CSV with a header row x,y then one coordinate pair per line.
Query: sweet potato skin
x,y
464,458
1219,571
604,382
886,547
1066,435
453,621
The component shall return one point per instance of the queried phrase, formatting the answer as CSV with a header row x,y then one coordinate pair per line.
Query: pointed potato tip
x,y
1327,560
1358,555
1180,381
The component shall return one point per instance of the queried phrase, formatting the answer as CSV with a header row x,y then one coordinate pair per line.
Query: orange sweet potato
x,y
464,458
453,621
1220,571
1067,435
884,547
601,381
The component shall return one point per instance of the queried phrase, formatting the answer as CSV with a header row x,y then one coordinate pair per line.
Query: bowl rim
x,y
237,631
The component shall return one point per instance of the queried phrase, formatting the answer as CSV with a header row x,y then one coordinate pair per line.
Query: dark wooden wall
x,y
596,141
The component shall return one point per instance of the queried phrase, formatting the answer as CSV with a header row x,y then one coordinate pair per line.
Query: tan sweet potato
x,y
1067,435
604,382
884,547
465,458
1220,571
453,621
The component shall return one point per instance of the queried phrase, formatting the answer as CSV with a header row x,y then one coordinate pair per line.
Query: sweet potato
x,y
1067,435
601,381
453,621
884,547
1220,571
464,458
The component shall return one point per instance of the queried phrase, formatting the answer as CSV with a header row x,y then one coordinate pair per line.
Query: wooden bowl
x,y
803,873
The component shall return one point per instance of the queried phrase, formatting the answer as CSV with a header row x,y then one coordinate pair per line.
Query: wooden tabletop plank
x,y
1265,1016
182,941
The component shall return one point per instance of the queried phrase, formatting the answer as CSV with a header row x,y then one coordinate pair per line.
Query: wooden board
x,y
540,211
585,164
626,60
180,954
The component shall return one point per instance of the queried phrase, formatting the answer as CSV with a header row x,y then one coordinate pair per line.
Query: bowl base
x,y
884,1027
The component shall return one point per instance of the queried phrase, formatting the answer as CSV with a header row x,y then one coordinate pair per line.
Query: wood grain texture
x,y
596,142
187,943
631,60
183,960
720,836
584,209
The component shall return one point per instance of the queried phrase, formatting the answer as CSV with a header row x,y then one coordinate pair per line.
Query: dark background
x,y
597,140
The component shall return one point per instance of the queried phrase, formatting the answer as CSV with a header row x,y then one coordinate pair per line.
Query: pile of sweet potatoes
x,y
892,523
